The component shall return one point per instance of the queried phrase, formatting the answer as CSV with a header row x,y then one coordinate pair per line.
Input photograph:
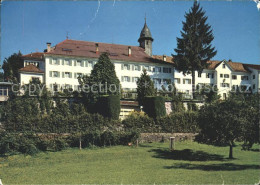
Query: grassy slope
x,y
147,164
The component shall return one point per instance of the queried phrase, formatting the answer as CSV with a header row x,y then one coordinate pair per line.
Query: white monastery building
x,y
60,65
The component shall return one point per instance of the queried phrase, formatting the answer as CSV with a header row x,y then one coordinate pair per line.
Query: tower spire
x,y
145,18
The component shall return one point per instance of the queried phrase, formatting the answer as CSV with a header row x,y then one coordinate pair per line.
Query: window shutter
x,y
122,66
139,68
70,74
75,62
128,67
183,81
62,61
129,79
82,63
70,62
122,78
59,74
75,75
58,61
133,67
62,74
50,73
50,60
86,63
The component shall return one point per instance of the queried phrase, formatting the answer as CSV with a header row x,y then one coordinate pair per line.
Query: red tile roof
x,y
88,49
129,103
34,56
160,57
213,64
238,67
31,69
257,67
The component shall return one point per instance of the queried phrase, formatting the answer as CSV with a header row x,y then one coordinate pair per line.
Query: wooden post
x,y
137,142
172,143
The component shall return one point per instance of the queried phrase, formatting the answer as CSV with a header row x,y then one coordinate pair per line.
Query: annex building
x,y
60,66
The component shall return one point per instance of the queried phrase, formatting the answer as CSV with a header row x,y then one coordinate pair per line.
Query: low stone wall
x,y
160,137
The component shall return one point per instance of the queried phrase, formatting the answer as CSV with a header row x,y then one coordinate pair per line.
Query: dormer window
x,y
224,66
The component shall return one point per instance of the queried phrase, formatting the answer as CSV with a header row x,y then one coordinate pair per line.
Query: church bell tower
x,y
145,40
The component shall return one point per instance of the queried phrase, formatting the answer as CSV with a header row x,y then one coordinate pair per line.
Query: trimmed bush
x,y
179,122
154,106
139,122
109,106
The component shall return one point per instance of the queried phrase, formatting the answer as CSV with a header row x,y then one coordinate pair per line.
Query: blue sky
x,y
28,25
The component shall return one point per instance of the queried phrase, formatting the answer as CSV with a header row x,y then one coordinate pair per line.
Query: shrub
x,y
179,122
154,106
109,106
139,122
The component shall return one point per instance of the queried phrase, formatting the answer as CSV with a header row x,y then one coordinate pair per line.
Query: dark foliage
x,y
154,106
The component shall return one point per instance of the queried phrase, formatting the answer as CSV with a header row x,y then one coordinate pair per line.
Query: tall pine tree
x,y
102,80
145,87
194,49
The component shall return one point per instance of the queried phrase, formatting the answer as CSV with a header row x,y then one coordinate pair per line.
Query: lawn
x,y
190,163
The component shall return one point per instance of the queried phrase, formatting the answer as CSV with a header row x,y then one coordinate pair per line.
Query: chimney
x,y
129,51
164,58
97,48
229,60
48,46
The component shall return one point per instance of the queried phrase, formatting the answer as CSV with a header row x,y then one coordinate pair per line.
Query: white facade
x,y
28,77
64,71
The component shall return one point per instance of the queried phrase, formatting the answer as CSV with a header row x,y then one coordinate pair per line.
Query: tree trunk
x,y
193,84
230,150
80,143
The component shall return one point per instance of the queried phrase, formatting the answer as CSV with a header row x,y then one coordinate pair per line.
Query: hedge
x,y
109,106
154,106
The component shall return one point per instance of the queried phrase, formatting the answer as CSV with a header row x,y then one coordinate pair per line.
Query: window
x,y
177,80
157,69
221,75
76,75
224,85
157,80
244,77
147,68
212,75
186,81
224,66
67,86
208,74
234,77
78,63
253,76
253,86
167,81
125,79
55,62
126,67
167,70
56,74
226,75
135,79
35,79
137,68
66,62
66,75
199,75
90,64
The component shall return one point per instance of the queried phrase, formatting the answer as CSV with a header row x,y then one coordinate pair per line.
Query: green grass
x,y
191,163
